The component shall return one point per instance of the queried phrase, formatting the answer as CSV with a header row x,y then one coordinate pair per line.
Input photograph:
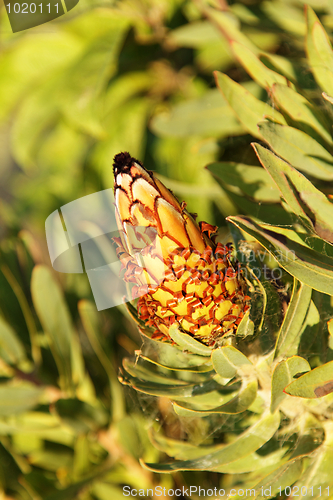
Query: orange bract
x,y
180,274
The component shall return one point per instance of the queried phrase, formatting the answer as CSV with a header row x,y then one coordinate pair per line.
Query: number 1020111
x,y
31,8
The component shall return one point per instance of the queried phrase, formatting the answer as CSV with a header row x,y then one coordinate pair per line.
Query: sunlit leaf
x,y
248,109
209,115
291,329
247,442
299,149
314,384
283,375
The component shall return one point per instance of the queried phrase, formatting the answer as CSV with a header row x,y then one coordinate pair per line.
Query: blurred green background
x,y
111,76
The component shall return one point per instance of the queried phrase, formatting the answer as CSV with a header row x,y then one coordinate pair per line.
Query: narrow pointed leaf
x,y
145,372
173,356
319,50
314,384
253,462
184,451
318,476
291,328
209,116
278,168
279,479
307,116
245,444
228,361
11,348
55,319
299,149
175,389
287,16
313,268
298,191
245,327
253,181
248,109
241,402
203,405
230,28
18,398
283,375
264,76
184,340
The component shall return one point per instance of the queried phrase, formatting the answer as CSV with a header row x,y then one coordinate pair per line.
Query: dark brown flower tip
x,y
122,163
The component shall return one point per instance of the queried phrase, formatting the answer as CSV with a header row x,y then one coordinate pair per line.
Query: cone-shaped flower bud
x,y
181,275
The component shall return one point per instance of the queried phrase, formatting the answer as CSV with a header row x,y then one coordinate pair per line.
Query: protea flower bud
x,y
181,275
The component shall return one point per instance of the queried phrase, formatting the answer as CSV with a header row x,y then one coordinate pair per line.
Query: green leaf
x,y
172,356
267,212
314,384
309,266
55,319
35,115
277,168
283,375
81,416
245,444
228,361
152,384
91,324
279,479
291,329
248,109
42,425
264,76
288,17
305,115
105,491
311,328
253,462
290,69
299,149
28,60
187,342
319,51
239,403
182,450
80,101
298,191
265,311
253,181
230,27
245,327
320,206
208,115
11,348
317,477
18,398
145,370
195,34
73,490
203,404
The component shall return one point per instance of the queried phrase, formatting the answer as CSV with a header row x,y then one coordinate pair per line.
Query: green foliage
x,y
137,76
